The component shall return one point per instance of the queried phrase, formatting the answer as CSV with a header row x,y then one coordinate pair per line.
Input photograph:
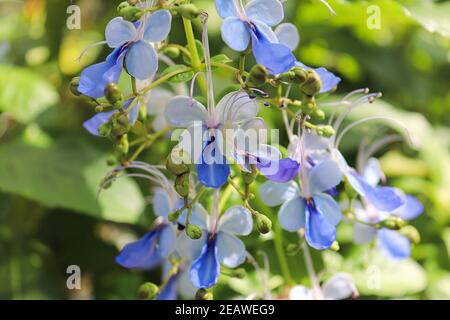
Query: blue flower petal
x,y
118,32
273,194
329,208
383,198
94,79
277,58
320,234
236,220
230,250
142,254
324,176
268,11
169,292
393,245
157,26
292,214
97,121
213,174
141,60
225,8
166,241
288,35
410,210
161,203
206,269
287,170
235,34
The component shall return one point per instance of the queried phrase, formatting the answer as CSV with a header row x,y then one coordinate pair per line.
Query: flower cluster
x,y
223,148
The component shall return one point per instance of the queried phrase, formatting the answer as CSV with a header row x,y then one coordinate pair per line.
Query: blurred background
x,y
50,167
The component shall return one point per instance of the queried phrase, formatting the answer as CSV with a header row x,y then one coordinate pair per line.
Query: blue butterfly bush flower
x,y
339,287
178,284
391,243
204,137
253,23
158,243
217,245
288,35
310,207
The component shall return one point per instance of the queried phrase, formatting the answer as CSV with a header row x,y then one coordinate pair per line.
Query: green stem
x,y
279,249
195,58
133,86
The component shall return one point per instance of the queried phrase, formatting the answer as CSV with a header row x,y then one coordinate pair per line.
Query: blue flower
x,y
390,242
178,283
311,208
204,139
218,244
159,242
288,35
131,50
254,23
93,124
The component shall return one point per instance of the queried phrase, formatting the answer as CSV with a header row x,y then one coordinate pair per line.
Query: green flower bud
x,y
325,131
393,223
239,273
120,125
105,129
99,108
193,232
286,77
122,5
204,294
292,249
258,76
411,233
263,224
299,75
130,13
171,52
249,177
318,115
132,2
312,84
113,93
174,216
148,291
182,185
74,86
176,162
123,146
335,246
188,11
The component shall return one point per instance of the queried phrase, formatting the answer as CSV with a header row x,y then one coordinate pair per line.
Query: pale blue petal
x,y
183,111
141,60
292,214
199,216
236,220
268,11
329,208
339,287
157,26
166,242
410,210
225,8
169,292
267,31
118,32
324,176
205,270
393,245
188,248
92,125
273,194
373,172
288,35
161,203
230,250
142,254
280,171
134,113
363,233
319,233
235,34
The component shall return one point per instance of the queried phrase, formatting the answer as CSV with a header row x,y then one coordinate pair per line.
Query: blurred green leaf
x,y
432,16
181,77
24,93
66,174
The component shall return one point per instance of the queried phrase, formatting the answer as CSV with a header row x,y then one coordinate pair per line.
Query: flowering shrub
x,y
222,148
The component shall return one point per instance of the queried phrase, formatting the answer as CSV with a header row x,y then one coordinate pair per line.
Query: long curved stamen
x,y
240,10
328,6
364,156
343,102
89,48
191,90
209,80
364,120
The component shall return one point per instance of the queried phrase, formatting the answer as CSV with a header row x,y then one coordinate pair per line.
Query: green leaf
x,y
25,94
432,16
66,174
221,58
181,77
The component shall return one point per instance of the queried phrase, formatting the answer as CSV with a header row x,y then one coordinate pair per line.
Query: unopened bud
x,y
174,216
176,162
318,115
292,249
74,86
123,146
130,13
188,11
105,129
325,131
312,84
393,223
171,52
258,75
193,232
335,246
122,5
148,291
286,76
263,224
182,185
203,294
299,75
132,2
113,93
120,125
249,177
411,233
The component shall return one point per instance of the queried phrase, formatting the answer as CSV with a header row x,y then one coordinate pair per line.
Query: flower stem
x,y
195,58
318,294
279,249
